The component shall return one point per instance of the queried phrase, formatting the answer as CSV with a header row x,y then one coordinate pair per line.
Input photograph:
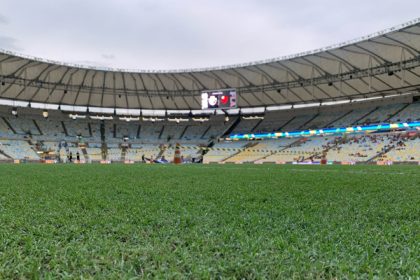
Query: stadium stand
x,y
299,149
194,132
126,130
353,117
323,120
381,114
402,148
273,121
51,128
297,122
222,151
35,138
17,149
409,113
360,148
138,116
23,126
246,126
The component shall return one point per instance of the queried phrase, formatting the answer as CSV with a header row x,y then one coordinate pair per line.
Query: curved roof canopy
x,y
384,63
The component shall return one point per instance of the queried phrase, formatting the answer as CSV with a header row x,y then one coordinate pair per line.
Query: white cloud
x,y
108,56
173,34
3,19
9,43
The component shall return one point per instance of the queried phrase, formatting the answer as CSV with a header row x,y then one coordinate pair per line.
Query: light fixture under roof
x,y
129,119
178,120
152,119
101,117
253,117
76,116
200,119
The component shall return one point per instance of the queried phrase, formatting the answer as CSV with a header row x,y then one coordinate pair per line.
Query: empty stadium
x,y
114,173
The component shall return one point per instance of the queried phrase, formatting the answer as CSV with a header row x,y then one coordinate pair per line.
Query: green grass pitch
x,y
231,221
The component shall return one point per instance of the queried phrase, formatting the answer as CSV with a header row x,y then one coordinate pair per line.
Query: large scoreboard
x,y
218,99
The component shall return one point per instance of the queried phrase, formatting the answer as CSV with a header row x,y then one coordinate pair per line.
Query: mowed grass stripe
x,y
318,169
123,221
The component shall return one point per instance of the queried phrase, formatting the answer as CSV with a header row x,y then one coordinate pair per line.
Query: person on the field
x,y
162,160
71,157
78,156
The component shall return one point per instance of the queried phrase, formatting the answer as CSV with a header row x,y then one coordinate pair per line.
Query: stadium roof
x,y
383,63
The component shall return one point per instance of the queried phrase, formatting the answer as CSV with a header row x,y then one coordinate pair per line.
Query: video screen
x,y
220,99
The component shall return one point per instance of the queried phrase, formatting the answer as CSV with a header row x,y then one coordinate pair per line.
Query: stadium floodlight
x,y
101,117
178,120
129,119
152,119
45,114
253,117
76,116
14,111
202,119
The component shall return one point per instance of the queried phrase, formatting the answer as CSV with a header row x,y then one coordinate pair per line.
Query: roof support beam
x,y
91,88
372,54
194,79
147,92
157,89
242,77
222,82
70,81
136,88
125,89
16,78
413,51
46,71
59,82
180,87
103,88
80,87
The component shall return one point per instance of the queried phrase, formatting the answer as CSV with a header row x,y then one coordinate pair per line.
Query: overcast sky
x,y
173,34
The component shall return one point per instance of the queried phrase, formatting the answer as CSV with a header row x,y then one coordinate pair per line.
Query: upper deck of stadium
x,y
381,64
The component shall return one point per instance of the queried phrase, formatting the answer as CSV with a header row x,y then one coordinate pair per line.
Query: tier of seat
x,y
30,136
